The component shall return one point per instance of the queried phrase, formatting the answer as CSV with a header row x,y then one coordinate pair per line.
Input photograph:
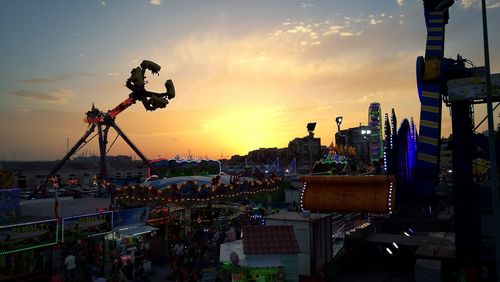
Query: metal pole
x,y
491,143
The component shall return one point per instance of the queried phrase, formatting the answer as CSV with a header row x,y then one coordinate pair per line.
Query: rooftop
x,y
266,240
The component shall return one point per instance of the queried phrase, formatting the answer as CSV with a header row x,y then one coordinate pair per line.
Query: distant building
x,y
306,150
359,138
31,173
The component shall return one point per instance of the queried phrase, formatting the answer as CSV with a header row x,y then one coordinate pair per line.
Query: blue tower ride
x,y
430,91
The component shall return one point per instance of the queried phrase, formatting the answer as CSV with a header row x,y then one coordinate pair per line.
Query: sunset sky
x,y
248,74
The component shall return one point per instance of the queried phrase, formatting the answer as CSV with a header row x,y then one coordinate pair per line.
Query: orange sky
x,y
240,85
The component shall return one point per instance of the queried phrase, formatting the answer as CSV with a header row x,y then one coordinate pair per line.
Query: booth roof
x,y
135,230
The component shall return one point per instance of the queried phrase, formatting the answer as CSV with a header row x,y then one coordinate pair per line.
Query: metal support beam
x,y
491,143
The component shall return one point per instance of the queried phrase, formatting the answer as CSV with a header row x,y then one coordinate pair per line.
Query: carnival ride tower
x,y
103,121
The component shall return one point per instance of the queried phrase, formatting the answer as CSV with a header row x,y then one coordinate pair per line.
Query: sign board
x,y
130,216
10,202
88,225
29,235
473,88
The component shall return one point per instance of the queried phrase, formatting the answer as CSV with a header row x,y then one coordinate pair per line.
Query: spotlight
x,y
388,250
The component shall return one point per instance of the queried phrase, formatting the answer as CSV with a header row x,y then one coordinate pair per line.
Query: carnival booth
x,y
25,248
266,253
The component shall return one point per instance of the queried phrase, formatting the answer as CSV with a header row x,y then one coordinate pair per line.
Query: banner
x,y
30,235
10,202
131,216
82,226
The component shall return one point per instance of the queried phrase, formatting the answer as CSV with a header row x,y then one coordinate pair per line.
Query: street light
x,y
339,122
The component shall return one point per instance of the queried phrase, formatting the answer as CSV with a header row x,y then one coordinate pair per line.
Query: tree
x,y
6,178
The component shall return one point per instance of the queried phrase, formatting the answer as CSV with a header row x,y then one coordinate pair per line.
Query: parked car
x,y
71,192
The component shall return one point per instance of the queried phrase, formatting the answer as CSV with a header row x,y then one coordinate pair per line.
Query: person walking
x,y
70,264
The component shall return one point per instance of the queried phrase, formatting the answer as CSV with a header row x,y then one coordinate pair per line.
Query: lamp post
x,y
365,133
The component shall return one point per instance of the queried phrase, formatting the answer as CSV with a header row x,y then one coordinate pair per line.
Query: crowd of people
x,y
198,250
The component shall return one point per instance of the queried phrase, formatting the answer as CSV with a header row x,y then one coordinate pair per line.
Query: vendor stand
x,y
26,249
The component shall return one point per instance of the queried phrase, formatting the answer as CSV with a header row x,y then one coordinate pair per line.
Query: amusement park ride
x,y
103,121
439,80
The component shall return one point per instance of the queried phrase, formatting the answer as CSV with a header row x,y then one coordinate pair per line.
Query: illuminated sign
x,y
472,88
26,236
88,225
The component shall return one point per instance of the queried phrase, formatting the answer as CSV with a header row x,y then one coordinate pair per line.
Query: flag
x,y
55,185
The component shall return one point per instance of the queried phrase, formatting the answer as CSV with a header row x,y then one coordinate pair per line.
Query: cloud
x,y
55,96
400,2
493,5
155,2
59,77
306,5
